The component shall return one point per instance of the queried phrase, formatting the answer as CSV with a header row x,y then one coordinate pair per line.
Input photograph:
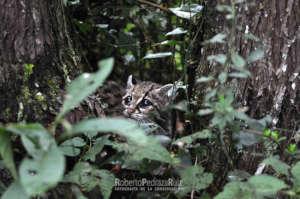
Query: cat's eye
x,y
127,100
145,103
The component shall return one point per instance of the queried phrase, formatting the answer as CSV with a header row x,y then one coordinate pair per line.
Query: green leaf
x,y
205,79
220,58
35,137
123,127
76,142
157,55
219,38
240,115
187,11
205,112
278,165
256,54
193,7
96,148
177,31
198,135
14,191
85,85
246,139
69,151
223,77
65,2
39,175
239,75
236,190
237,60
6,152
266,185
194,178
238,175
152,151
89,177
167,42
71,147
296,173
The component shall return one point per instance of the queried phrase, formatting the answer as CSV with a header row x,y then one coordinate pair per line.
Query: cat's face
x,y
142,98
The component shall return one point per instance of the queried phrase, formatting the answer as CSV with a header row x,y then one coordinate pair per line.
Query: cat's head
x,y
143,97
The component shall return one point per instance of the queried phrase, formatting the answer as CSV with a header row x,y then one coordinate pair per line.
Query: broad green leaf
x,y
152,151
71,147
256,54
223,77
237,60
187,11
219,38
278,165
167,42
205,79
246,139
85,85
207,111
157,55
220,58
198,135
71,151
7,153
210,94
177,31
266,185
65,2
3,188
35,137
194,178
236,190
123,127
14,191
88,177
96,148
296,173
239,75
76,141
261,124
240,115
238,175
196,8
39,175
106,183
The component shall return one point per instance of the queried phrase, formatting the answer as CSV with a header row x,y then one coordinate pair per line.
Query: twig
x,y
155,5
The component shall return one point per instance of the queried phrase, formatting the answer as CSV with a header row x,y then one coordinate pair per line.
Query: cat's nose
x,y
130,111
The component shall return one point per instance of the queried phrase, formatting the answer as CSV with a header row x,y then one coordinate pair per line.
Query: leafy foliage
x,y
217,126
86,84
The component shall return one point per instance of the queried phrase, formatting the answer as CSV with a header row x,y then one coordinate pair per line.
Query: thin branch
x,y
155,5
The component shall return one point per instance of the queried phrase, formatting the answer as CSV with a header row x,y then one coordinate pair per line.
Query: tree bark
x,y
38,33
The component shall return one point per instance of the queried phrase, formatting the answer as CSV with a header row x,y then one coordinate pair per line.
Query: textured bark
x,y
34,32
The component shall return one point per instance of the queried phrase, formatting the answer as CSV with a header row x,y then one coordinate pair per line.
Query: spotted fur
x,y
146,102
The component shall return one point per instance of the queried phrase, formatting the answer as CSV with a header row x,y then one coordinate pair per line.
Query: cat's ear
x,y
131,81
165,90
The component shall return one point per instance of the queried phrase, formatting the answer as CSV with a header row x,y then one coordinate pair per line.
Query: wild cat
x,y
146,102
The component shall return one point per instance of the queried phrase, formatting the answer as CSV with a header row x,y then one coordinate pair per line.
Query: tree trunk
x,y
38,33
